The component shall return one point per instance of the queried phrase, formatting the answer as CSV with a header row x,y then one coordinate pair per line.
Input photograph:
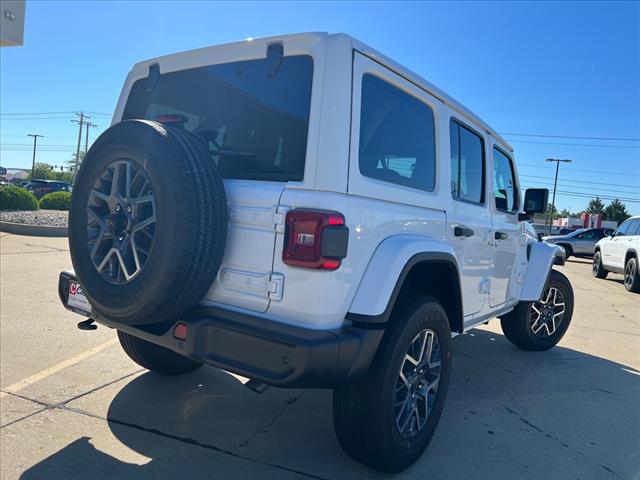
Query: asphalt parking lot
x,y
73,406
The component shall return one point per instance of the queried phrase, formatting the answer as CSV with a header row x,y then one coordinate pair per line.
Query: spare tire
x,y
148,222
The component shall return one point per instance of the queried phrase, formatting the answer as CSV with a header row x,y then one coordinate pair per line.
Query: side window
x,y
623,229
637,229
504,185
467,164
587,235
397,136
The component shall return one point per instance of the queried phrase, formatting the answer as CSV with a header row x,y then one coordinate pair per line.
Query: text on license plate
x,y
76,297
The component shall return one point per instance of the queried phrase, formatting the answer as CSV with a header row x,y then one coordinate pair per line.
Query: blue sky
x,y
568,69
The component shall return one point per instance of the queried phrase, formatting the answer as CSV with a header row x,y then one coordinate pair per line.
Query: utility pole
x,y
86,136
80,123
35,141
555,183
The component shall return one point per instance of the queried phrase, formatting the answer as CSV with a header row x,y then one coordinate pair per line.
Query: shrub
x,y
56,201
16,198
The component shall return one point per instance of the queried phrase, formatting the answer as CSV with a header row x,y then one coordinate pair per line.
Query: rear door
x,y
253,116
468,214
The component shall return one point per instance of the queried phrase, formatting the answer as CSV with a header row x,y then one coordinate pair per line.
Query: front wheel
x,y
540,325
632,276
597,268
386,420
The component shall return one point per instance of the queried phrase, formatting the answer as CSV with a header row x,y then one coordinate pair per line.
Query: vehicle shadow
x,y
510,414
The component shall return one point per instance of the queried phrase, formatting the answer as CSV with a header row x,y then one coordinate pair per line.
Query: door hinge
x,y
275,286
279,218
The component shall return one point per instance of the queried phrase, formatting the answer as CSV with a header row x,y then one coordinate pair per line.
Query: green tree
x,y
565,212
616,211
596,205
72,161
42,171
551,210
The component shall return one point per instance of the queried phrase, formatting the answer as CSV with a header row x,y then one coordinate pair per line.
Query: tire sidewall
x,y
424,315
147,147
634,286
559,281
597,264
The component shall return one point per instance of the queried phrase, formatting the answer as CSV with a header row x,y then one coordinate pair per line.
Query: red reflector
x,y
336,220
180,331
331,264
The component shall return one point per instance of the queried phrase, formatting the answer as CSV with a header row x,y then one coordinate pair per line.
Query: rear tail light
x,y
315,239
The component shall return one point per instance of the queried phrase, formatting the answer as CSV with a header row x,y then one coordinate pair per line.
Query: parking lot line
x,y
47,372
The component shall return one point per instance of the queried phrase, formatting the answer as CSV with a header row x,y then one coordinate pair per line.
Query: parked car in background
x,y
41,187
580,242
619,253
532,235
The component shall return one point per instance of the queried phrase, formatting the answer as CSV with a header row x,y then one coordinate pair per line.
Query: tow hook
x,y
88,324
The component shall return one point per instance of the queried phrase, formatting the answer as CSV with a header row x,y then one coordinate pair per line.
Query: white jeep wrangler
x,y
305,212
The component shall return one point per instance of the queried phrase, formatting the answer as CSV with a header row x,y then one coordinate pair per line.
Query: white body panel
x,y
614,249
388,223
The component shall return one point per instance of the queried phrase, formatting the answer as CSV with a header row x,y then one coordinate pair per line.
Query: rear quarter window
x,y
397,136
255,122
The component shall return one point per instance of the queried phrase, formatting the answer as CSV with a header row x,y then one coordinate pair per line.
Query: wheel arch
x,y
402,267
631,253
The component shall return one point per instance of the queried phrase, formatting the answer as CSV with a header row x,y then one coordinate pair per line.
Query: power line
x,y
571,136
600,172
593,183
33,113
575,144
588,195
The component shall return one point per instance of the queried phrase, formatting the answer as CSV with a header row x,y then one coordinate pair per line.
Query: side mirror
x,y
535,201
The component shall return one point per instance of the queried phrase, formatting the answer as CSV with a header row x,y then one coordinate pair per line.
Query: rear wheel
x,y
387,419
154,357
597,268
540,325
632,276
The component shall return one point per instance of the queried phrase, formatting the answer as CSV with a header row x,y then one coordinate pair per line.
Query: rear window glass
x,y
254,122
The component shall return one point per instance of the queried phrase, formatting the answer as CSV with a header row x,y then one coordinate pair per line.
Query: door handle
x,y
462,232
501,236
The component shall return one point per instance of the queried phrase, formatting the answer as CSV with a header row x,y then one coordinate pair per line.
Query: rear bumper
x,y
270,352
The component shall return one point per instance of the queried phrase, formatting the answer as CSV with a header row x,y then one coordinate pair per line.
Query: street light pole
x,y
35,141
555,184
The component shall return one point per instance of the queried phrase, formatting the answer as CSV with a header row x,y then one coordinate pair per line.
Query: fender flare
x,y
541,257
384,276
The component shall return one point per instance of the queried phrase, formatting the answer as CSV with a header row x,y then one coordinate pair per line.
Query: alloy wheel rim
x,y
547,314
121,221
596,264
417,383
628,274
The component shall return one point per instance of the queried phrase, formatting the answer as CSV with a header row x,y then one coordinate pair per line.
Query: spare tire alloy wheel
x,y
121,221
547,314
417,384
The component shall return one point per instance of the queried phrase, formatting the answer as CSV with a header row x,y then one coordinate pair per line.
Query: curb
x,y
33,230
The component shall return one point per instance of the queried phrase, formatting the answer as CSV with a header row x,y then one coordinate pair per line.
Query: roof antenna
x,y
153,77
275,52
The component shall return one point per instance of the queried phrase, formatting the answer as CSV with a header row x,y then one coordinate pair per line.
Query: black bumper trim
x,y
270,352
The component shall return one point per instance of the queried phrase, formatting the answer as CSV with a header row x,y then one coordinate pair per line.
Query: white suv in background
x,y
305,212
619,253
